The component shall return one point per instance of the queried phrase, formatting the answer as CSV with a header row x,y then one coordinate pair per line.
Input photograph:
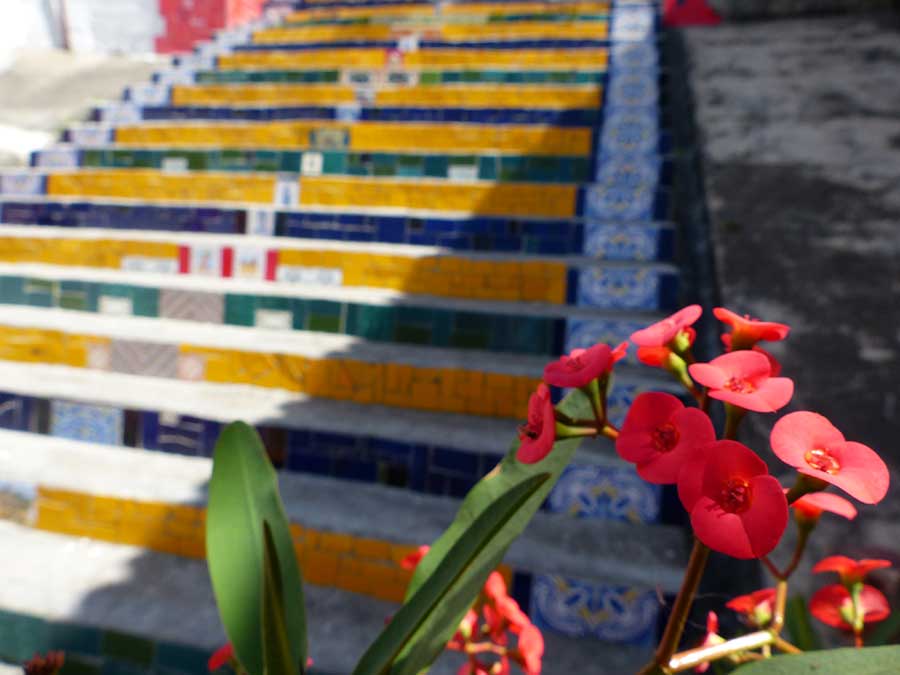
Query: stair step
x,y
103,603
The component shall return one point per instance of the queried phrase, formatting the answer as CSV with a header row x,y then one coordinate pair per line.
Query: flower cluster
x,y
485,633
736,507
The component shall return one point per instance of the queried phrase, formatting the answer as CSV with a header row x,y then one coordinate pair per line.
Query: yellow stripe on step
x,y
332,559
520,59
365,137
450,96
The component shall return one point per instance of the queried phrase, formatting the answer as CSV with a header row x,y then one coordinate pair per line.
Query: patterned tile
x,y
610,613
611,493
192,305
83,422
144,358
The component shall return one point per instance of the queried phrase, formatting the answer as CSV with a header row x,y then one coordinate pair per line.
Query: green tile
x,y
273,302
181,658
323,323
127,648
430,77
147,159
92,158
21,636
289,161
78,639
116,667
11,290
487,168
77,665
267,160
372,323
384,164
410,165
436,166
76,300
145,301
334,162
240,310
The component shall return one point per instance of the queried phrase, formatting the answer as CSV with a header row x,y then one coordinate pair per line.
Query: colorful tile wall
x,y
401,77
585,491
610,241
83,422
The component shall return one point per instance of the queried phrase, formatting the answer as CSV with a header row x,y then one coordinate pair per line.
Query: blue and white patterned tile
x,y
582,333
629,287
618,614
15,412
630,130
620,399
633,88
84,422
608,492
629,56
618,241
625,188
633,23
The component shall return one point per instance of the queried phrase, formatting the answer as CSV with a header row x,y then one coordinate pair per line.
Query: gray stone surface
x,y
800,122
759,9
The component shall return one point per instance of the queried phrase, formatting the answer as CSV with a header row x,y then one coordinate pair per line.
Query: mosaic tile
x,y
191,305
619,288
84,422
610,493
144,358
611,613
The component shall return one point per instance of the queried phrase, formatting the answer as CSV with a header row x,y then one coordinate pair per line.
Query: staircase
x,y
364,228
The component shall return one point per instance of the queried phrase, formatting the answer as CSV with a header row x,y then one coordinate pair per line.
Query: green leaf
x,y
884,632
243,493
868,661
796,620
464,552
276,645
429,641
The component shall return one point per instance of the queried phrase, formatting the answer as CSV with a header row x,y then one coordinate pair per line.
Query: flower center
x,y
530,430
665,437
822,460
739,386
574,363
735,495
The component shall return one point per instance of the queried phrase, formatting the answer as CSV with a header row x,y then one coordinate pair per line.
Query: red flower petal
x,y
746,604
746,331
827,602
811,444
653,356
531,649
690,479
222,656
850,570
812,505
721,531
412,560
767,518
742,379
495,587
728,459
539,433
661,332
579,367
696,431
648,411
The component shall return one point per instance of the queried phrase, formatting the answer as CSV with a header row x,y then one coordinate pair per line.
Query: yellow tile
x,y
371,549
320,568
335,542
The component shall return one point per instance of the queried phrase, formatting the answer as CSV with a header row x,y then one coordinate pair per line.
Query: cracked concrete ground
x,y
800,125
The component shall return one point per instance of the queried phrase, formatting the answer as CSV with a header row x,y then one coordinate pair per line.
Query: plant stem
x,y
694,657
675,627
733,417
802,538
785,646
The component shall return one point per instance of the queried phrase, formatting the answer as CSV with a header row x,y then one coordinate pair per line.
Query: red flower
x,y
529,652
222,656
757,607
746,332
811,444
663,332
48,664
539,433
656,341
851,571
465,632
412,560
744,379
736,507
495,587
833,605
583,365
660,434
811,506
712,638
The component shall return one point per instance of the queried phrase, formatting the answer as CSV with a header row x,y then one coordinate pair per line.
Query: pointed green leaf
x,y
799,627
243,493
429,640
868,661
459,559
276,645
